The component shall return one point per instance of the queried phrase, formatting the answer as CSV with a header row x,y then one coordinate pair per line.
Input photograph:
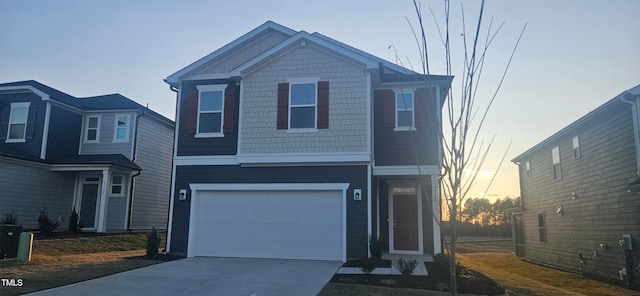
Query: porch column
x,y
435,203
102,214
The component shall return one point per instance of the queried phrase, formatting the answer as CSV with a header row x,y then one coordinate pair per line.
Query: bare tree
x,y
463,153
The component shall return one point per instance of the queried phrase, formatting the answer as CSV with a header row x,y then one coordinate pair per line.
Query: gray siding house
x,y
580,194
107,156
295,145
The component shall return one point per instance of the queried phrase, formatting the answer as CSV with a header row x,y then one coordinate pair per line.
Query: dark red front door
x,y
405,223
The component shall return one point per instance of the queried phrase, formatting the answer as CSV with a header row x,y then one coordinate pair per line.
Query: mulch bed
x,y
66,234
159,257
382,263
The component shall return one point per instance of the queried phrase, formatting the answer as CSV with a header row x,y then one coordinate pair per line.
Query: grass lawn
x,y
58,262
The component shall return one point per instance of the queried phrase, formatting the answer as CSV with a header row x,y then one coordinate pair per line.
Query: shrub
x,y
46,225
374,246
440,268
406,267
153,242
9,219
74,225
367,266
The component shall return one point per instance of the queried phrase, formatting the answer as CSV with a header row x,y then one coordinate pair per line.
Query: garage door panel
x,y
269,224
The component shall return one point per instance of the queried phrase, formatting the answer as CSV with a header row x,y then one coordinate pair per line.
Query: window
x,y
528,168
302,105
121,130
576,147
541,228
18,122
557,169
404,111
210,110
93,129
117,185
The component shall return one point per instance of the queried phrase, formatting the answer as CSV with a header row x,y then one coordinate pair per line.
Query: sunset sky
x,y
574,55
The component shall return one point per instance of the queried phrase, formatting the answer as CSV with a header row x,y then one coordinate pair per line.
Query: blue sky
x,y
574,56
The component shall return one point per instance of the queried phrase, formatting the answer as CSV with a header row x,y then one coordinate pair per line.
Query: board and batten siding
x,y
154,154
357,239
35,121
602,210
26,188
64,128
107,145
348,94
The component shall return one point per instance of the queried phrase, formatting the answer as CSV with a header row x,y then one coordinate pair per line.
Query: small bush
x,y
374,246
153,242
45,224
406,267
440,268
367,266
74,225
9,219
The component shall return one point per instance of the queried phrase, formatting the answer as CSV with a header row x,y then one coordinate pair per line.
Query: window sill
x,y
302,130
209,135
404,129
91,142
120,141
15,141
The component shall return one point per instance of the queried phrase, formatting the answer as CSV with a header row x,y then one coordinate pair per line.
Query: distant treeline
x,y
480,217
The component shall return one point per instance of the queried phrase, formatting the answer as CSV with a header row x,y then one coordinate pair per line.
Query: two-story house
x,y
295,145
106,156
579,188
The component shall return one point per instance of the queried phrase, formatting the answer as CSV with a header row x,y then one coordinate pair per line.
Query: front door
x,y
89,201
405,223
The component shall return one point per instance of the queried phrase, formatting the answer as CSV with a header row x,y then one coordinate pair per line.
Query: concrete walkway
x,y
211,276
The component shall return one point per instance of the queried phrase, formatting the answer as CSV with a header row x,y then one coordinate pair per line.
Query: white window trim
x,y
24,133
304,80
576,147
127,127
86,129
206,88
122,186
555,159
413,110
528,168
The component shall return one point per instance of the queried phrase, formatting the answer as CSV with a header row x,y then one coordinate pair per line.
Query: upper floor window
x,y
528,168
210,110
557,169
121,129
18,122
302,104
404,111
576,147
92,130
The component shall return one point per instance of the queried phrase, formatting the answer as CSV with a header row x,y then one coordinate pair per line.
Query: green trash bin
x,y
25,245
9,239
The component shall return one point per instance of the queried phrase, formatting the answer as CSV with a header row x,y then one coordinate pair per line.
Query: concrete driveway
x,y
211,276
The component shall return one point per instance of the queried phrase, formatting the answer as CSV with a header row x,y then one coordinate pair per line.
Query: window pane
x,y
210,122
404,101
303,94
93,122
303,117
211,101
122,134
405,118
16,131
117,180
91,135
116,189
19,115
122,121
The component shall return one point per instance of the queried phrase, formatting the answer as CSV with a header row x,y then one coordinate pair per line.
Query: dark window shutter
x,y
420,107
4,121
283,105
323,104
192,112
229,109
389,98
31,122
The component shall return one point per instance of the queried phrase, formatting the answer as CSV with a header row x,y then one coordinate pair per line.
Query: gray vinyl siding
x,y
601,212
106,145
26,188
153,186
357,238
116,212
64,128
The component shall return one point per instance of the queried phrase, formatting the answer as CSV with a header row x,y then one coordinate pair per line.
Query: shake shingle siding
x,y
355,175
601,211
35,122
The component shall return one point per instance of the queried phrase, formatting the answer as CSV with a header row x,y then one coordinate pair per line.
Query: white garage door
x,y
268,224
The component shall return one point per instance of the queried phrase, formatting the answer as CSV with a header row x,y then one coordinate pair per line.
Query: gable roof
x,y
630,94
368,60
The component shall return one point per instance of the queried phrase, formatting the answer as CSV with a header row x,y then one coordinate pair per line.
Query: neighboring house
x,y
107,156
294,145
579,188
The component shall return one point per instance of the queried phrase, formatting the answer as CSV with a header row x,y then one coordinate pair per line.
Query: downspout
x,y
635,109
173,168
133,178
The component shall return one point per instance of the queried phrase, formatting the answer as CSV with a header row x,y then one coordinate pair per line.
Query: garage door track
x,y
212,276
